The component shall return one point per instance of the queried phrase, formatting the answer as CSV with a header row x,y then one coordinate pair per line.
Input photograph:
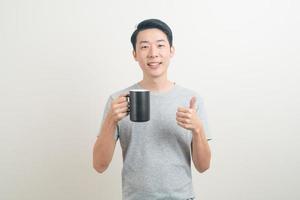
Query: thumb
x,y
193,103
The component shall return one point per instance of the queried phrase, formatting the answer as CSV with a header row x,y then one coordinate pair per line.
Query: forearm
x,y
105,145
200,151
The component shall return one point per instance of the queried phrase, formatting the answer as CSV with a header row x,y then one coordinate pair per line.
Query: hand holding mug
x,y
119,108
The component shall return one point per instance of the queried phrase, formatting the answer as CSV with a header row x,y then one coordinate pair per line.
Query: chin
x,y
156,75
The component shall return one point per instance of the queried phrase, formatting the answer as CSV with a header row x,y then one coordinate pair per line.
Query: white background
x,y
61,59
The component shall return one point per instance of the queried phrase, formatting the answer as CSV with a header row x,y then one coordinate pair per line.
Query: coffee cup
x,y
139,105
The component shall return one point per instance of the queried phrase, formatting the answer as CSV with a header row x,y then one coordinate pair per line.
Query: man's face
x,y
153,52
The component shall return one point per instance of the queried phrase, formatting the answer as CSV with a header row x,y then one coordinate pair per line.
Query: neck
x,y
156,85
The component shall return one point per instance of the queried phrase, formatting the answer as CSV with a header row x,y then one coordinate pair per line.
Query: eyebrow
x,y
145,41
162,40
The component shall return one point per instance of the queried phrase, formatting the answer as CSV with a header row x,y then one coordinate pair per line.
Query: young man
x,y
156,154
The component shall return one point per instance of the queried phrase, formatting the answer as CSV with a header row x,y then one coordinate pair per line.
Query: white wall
x,y
60,59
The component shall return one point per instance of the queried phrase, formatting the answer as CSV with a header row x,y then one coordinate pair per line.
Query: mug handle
x,y
128,100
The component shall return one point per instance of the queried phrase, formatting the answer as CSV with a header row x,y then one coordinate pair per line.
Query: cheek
x,y
142,63
166,54
139,58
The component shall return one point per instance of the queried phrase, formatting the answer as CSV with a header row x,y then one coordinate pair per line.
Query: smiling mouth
x,y
154,64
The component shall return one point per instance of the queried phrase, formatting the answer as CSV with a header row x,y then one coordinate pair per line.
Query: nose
x,y
153,52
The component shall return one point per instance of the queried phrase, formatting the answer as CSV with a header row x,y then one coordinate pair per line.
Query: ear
x,y
134,54
172,50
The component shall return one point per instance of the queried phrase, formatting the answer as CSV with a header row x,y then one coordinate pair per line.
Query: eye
x,y
161,46
144,47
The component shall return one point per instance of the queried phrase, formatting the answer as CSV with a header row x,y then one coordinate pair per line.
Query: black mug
x,y
139,105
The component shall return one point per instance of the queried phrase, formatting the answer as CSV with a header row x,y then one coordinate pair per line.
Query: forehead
x,y
151,35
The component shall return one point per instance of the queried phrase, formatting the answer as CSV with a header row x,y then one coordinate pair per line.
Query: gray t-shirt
x,y
157,153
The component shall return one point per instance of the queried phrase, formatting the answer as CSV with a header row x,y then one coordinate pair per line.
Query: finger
x,y
123,110
120,111
121,115
124,94
117,106
122,98
183,125
183,120
122,105
180,124
193,103
185,110
182,109
183,115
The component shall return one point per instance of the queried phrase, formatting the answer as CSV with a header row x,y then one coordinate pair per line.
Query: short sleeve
x,y
106,109
202,115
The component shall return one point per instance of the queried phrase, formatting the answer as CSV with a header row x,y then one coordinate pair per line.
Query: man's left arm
x,y
188,119
201,154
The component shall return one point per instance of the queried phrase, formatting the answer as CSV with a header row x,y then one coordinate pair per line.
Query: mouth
x,y
154,65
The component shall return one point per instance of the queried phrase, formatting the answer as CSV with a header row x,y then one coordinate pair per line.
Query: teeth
x,y
153,64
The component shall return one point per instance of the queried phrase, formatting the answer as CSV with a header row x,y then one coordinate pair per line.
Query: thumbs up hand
x,y
187,117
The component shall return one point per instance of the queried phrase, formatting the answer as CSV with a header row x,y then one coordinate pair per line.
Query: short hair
x,y
149,24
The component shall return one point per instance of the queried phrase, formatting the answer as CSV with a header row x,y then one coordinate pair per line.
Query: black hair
x,y
152,23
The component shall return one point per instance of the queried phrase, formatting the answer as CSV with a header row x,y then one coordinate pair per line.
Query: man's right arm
x,y
105,144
